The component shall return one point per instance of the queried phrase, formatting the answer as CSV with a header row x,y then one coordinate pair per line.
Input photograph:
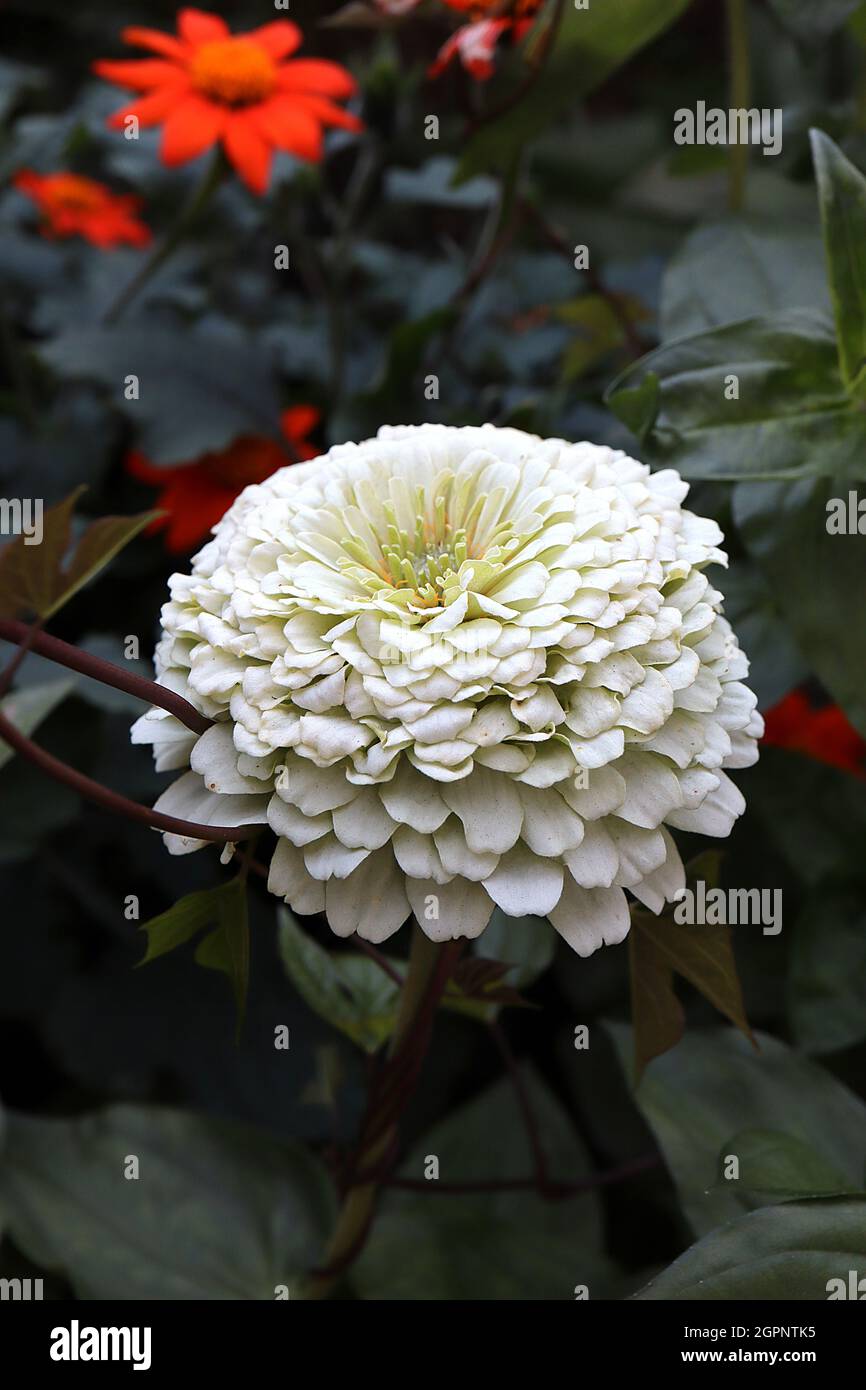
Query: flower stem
x,y
74,659
198,201
430,967
739,89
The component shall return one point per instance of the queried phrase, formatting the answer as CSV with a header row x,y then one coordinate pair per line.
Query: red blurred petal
x,y
299,421
190,129
317,75
199,26
151,109
139,74
329,114
248,150
289,127
279,38
166,44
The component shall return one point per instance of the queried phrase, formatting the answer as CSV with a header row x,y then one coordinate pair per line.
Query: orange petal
x,y
197,26
299,421
279,38
166,44
191,128
141,74
316,75
287,125
329,114
152,109
248,150
27,181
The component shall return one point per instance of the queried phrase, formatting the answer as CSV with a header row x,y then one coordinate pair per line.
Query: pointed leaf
x,y
842,196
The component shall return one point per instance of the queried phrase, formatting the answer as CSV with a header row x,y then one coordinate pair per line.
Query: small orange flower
x,y
820,732
496,9
475,43
75,206
196,495
209,85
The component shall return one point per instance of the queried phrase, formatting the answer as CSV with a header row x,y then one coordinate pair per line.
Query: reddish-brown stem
x,y
86,664
551,1191
113,801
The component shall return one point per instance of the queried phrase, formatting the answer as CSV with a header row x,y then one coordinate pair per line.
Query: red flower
x,y
196,495
75,206
475,44
823,733
209,85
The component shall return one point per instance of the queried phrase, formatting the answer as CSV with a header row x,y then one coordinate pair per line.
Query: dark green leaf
x,y
789,1252
350,992
814,20
591,44
827,971
842,197
814,577
792,418
716,1085
216,1212
772,1162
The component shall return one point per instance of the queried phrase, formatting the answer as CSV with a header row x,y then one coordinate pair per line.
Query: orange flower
x,y
196,495
475,43
74,206
209,85
496,9
822,733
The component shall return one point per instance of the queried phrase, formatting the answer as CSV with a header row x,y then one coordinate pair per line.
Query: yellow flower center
x,y
236,72
70,191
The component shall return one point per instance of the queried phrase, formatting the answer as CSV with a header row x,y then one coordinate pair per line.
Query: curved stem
x,y
739,88
113,801
29,638
430,968
199,200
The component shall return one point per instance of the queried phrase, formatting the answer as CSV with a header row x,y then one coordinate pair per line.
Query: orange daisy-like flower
x,y
196,495
209,85
496,9
72,205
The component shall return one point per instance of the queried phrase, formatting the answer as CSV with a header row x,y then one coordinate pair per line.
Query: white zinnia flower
x,y
454,669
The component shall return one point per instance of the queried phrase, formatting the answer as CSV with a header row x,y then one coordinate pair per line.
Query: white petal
x,y
413,799
524,885
327,858
490,809
457,858
447,911
288,879
595,862
663,884
590,918
364,823
371,901
716,813
550,827
291,823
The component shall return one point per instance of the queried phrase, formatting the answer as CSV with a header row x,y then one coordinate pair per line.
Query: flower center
x,y
235,71
70,191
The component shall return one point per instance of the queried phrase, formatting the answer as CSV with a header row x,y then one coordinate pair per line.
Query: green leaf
x,y
814,576
842,198
351,992
638,406
716,1085
226,948
827,969
33,578
599,330
788,1252
659,948
725,271
200,389
488,1245
793,417
783,1165
26,708
590,45
217,1211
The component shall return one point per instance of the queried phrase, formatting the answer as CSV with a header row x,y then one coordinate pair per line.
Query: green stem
x,y
199,200
430,968
739,95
